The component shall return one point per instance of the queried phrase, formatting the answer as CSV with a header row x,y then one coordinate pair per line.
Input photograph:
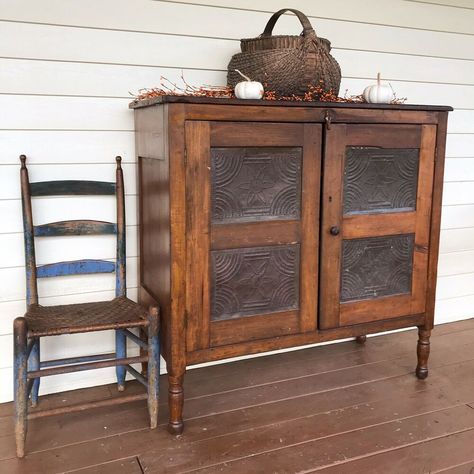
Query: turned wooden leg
x,y
423,352
175,400
361,339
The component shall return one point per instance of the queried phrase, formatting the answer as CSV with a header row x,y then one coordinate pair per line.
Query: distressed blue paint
x,y
20,383
77,360
72,188
30,346
29,293
79,267
75,227
30,265
153,368
121,353
34,364
120,271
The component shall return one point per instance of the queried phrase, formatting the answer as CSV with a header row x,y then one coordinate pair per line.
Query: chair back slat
x,y
77,267
72,188
76,227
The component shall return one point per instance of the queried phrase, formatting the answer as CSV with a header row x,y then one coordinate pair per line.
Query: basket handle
x,y
307,27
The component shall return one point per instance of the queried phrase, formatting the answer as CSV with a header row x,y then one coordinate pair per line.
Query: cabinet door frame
x,y
202,236
333,313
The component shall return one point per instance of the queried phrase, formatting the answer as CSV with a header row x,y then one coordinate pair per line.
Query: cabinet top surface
x,y
171,99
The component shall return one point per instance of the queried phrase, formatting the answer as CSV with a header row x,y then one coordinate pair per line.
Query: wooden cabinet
x,y
266,225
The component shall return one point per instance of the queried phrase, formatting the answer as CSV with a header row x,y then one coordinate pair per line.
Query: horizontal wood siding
x,y
66,72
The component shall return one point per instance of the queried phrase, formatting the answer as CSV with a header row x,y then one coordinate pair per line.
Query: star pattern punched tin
x,y
250,183
380,180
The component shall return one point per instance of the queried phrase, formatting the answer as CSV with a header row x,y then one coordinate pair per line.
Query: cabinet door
x,y
252,230
376,206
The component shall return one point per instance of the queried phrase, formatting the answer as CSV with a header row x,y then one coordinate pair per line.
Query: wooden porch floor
x,y
338,409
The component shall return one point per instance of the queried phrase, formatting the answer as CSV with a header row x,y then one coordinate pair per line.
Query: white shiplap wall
x,y
66,70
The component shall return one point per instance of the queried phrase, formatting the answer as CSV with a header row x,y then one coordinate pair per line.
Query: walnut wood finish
x,y
423,352
215,237
377,227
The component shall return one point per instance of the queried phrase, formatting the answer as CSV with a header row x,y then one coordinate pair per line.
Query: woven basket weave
x,y
287,64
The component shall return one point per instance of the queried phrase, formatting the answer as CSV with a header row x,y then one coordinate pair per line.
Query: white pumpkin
x,y
378,93
248,89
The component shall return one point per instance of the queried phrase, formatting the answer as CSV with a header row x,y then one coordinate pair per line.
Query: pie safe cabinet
x,y
267,224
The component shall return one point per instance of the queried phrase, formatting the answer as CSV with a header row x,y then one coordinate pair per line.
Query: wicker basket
x,y
287,64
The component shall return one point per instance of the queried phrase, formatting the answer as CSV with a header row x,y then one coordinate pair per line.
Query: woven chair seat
x,y
73,318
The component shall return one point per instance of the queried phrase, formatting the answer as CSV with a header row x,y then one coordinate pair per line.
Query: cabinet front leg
x,y
423,352
175,400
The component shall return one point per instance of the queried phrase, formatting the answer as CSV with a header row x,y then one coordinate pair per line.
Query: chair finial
x,y
118,159
23,161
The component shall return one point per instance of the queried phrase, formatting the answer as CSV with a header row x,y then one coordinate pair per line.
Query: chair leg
x,y
20,383
34,364
120,353
153,365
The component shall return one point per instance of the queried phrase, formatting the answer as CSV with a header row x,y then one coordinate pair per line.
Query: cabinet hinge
x,y
186,317
185,156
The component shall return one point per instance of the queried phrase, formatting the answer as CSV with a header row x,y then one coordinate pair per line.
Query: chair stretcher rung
x,y
137,375
86,366
77,360
87,406
95,327
135,339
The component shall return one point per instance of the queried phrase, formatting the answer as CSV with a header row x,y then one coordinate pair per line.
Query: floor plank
x,y
261,409
212,451
464,468
135,443
122,466
131,417
305,456
434,456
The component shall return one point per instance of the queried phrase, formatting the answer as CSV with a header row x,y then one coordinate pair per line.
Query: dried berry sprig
x,y
312,94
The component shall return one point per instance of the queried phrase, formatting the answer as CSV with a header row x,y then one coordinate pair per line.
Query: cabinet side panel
x,y
153,178
436,204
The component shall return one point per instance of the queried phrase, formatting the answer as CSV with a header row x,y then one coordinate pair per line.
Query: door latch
x,y
327,119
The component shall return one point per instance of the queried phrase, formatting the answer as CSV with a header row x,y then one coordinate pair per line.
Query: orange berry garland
x,y
312,94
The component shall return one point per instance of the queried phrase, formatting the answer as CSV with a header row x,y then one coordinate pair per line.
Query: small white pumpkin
x,y
378,93
248,89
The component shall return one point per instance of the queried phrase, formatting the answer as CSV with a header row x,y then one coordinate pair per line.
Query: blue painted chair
x,y
119,314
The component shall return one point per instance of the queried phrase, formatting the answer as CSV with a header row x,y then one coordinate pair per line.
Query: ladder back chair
x,y
119,314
